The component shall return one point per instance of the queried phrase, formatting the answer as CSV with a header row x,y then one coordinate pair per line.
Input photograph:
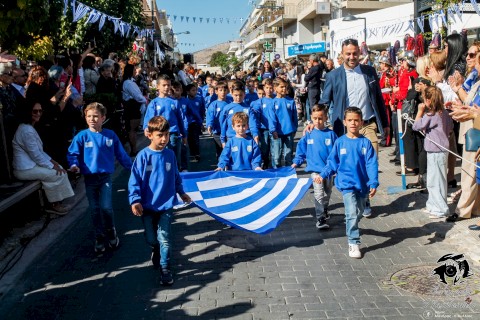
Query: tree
x,y
224,61
22,22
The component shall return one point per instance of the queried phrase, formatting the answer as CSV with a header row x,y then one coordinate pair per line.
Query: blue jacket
x,y
243,152
95,152
315,147
226,120
355,162
260,107
282,116
166,107
335,95
155,181
214,111
197,110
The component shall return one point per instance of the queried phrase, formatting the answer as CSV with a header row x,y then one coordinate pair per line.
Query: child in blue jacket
x,y
152,191
315,147
354,160
282,123
93,152
241,152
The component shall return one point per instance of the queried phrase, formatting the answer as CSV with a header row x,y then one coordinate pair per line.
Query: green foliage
x,y
223,60
23,21
40,49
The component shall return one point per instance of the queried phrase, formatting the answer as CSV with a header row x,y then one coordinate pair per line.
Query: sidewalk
x,y
294,272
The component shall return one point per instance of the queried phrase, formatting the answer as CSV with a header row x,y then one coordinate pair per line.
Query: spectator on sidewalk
x,y
30,162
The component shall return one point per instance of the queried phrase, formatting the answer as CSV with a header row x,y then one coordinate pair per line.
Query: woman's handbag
x,y
472,140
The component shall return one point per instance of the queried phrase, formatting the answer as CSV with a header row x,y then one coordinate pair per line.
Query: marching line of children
x,y
241,134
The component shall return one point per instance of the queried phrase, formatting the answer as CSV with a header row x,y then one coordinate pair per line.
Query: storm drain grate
x,y
421,280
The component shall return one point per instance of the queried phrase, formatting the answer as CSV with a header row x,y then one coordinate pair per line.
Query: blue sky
x,y
203,35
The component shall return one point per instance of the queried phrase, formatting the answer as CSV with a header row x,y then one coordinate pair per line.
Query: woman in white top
x,y
30,162
132,100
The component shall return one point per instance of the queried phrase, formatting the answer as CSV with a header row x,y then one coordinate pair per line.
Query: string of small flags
x,y
80,10
435,21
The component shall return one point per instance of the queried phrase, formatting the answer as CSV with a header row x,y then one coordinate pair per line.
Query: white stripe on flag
x,y
275,212
222,182
279,186
221,201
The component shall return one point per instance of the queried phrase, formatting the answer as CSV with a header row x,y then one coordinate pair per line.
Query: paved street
x,y
294,272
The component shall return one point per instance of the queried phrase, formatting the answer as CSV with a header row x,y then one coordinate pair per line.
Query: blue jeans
x,y
185,156
157,225
354,205
98,188
282,148
175,145
265,146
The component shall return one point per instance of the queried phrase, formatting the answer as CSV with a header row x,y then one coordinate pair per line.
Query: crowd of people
x,y
77,114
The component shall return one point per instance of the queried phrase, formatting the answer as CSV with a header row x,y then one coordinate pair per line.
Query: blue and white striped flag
x,y
255,201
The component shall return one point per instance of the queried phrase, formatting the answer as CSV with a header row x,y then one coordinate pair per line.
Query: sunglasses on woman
x,y
471,55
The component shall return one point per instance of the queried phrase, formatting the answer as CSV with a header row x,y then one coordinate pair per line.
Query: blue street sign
x,y
307,48
277,56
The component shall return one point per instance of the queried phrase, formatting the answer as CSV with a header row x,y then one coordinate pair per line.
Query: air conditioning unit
x,y
323,7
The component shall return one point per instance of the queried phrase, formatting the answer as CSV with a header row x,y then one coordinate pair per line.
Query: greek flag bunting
x,y
255,201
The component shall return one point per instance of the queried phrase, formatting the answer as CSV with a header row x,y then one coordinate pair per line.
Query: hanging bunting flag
x,y
174,18
228,20
194,18
459,12
214,20
181,18
221,20
420,23
80,12
411,26
444,18
208,20
186,18
121,25
93,16
201,19
430,22
451,14
475,6
168,16
65,7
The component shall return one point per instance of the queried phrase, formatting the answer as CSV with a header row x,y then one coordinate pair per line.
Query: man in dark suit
x,y
356,85
313,79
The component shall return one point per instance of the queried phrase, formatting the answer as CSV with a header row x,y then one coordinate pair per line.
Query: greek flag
x,y
255,201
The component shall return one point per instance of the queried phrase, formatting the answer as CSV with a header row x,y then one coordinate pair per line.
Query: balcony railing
x,y
263,29
304,4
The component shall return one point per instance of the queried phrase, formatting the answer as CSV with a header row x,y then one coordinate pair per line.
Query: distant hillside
x,y
203,56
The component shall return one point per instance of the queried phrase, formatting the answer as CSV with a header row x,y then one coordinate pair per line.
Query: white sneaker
x,y
354,251
367,212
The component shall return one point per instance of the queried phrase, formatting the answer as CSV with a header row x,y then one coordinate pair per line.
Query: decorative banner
x,y
80,10
214,20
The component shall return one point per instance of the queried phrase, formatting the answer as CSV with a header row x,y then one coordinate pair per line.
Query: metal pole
x,y
283,38
153,29
365,30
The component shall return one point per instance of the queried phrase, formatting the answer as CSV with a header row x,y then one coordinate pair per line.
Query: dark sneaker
x,y
113,240
322,224
155,257
100,244
166,278
327,215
